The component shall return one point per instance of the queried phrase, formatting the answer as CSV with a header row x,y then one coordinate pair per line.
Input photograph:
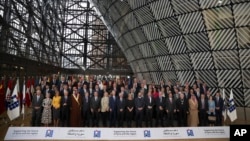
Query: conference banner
x,y
63,133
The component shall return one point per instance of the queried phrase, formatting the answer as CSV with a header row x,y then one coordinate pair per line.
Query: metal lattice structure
x,y
61,33
185,40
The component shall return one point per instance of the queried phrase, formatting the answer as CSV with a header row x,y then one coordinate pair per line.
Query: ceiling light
x,y
220,1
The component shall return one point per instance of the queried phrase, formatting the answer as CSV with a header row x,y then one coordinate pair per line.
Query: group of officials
x,y
117,103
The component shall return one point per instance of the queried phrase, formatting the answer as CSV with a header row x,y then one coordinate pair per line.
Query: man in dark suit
x,y
54,81
182,110
160,104
65,109
203,108
170,109
139,107
120,110
86,109
95,107
218,108
113,108
37,102
99,91
149,103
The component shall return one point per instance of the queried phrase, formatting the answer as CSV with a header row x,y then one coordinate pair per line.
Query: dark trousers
x,y
139,118
149,118
86,117
170,119
159,118
105,119
112,119
182,118
120,118
203,117
129,118
218,114
95,119
65,117
36,117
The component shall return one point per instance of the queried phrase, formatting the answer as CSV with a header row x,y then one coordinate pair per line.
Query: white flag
x,y
14,106
224,112
24,93
231,112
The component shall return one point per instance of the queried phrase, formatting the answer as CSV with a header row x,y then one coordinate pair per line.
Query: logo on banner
x,y
49,133
97,134
147,133
190,132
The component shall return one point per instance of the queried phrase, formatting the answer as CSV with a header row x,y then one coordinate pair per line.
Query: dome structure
x,y
184,40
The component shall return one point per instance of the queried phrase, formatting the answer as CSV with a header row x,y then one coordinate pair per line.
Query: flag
x,y
2,97
27,95
231,112
13,106
23,101
224,112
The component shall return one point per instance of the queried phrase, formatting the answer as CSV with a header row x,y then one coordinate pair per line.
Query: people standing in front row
x,y
139,106
65,109
211,110
86,109
193,118
130,109
56,101
105,109
182,110
160,104
218,108
37,103
149,103
170,109
95,107
121,104
47,115
75,109
203,108
112,109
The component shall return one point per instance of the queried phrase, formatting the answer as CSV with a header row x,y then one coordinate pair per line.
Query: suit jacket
x,y
112,103
85,104
182,105
37,103
121,104
65,108
95,104
148,103
200,104
139,103
160,103
219,103
170,106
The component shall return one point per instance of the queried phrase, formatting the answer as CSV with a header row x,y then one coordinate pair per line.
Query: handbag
x,y
211,118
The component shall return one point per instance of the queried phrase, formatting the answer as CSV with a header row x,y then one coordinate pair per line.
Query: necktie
x,y
38,98
202,103
160,99
170,100
149,99
87,99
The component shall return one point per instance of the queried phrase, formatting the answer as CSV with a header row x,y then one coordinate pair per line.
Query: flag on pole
x,y
224,112
8,91
13,106
231,112
23,101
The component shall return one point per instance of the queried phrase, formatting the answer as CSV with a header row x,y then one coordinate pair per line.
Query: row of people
x,y
78,110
